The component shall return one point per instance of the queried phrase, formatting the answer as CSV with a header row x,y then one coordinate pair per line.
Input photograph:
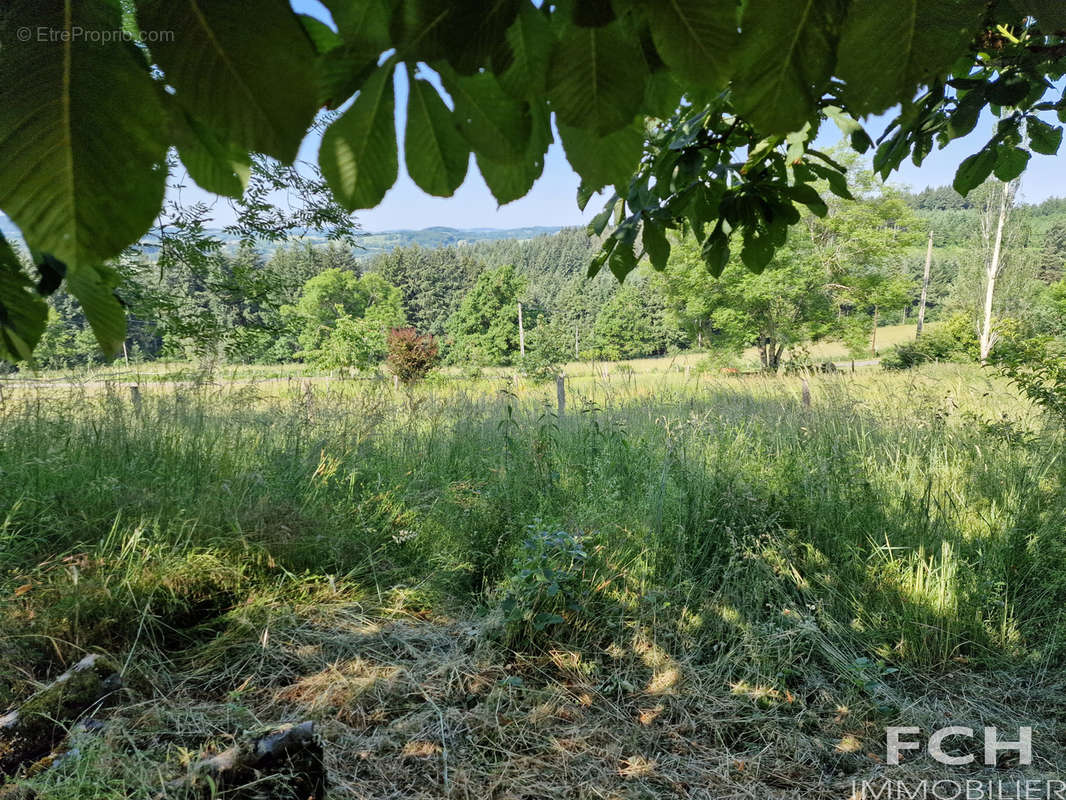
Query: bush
x,y
350,342
954,340
718,361
547,589
1036,366
411,355
549,345
538,367
906,356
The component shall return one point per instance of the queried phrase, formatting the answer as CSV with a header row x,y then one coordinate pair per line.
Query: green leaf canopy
x,y
701,114
214,55
358,154
82,131
436,153
22,313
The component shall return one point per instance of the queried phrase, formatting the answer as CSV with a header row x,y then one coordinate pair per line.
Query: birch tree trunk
x,y
925,287
521,333
993,267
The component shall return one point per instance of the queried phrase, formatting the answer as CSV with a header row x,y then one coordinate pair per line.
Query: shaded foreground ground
x,y
676,591
409,707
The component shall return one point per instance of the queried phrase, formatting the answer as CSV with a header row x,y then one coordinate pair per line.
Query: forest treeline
x,y
839,277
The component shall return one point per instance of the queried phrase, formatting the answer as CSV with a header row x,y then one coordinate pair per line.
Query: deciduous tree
x,y
634,324
484,329
343,319
787,304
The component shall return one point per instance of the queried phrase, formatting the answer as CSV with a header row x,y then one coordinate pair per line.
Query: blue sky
x,y
553,198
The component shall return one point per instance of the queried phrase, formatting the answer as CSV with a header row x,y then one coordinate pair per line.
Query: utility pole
x,y
925,287
521,333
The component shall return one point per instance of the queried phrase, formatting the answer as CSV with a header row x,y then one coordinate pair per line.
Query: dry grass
x,y
416,707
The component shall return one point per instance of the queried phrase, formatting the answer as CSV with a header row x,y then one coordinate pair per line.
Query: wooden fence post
x,y
806,394
309,399
560,393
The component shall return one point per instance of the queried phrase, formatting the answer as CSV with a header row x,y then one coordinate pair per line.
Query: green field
x,y
187,371
684,584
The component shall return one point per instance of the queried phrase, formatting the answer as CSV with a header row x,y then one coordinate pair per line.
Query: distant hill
x,y
430,238
371,244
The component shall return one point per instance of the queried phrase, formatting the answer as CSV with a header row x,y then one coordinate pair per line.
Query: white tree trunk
x,y
992,269
925,287
521,333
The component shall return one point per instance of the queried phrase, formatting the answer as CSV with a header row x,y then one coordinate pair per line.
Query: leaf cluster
x,y
694,113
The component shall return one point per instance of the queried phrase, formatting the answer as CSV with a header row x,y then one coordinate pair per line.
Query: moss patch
x,y
34,729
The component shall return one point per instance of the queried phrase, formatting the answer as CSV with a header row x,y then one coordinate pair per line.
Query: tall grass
x,y
910,520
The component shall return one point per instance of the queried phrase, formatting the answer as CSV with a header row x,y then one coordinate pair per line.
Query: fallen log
x,y
280,763
67,749
14,791
35,728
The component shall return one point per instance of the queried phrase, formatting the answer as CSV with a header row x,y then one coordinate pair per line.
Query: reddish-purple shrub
x,y
411,355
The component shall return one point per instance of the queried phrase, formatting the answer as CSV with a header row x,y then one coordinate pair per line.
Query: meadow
x,y
688,585
171,371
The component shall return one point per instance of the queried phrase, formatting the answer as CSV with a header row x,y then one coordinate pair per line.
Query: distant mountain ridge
x,y
373,242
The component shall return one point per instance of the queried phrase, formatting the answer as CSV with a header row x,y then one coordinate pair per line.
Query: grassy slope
x,y
751,590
